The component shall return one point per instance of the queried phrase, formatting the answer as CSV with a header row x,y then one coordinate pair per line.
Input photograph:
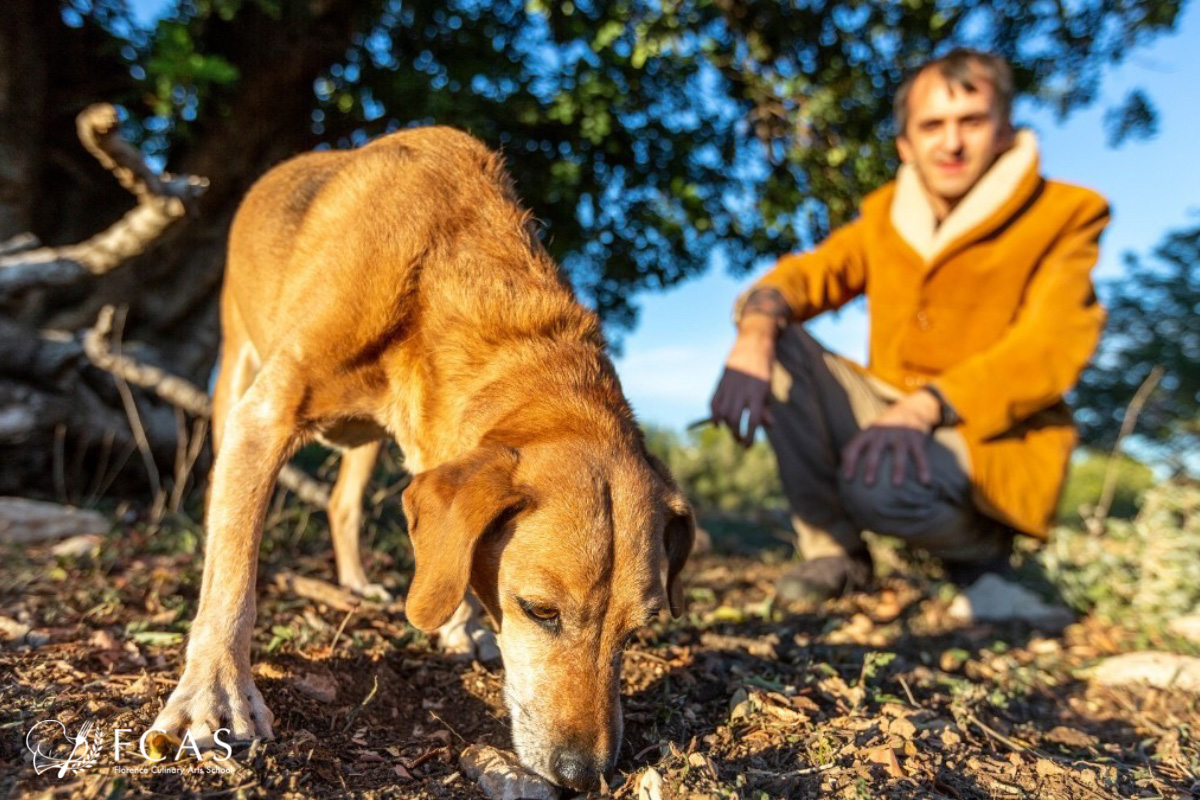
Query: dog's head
x,y
570,551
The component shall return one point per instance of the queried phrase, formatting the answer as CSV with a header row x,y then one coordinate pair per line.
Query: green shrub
x,y
1085,482
1143,571
717,473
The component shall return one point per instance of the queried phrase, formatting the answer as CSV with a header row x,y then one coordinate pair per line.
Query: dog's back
x,y
411,249
421,221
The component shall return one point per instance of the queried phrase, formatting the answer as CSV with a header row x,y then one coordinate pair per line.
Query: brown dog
x,y
400,290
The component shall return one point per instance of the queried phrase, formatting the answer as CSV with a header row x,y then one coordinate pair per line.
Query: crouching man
x,y
955,436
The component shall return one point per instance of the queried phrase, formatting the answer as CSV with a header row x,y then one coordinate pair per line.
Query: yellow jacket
x,y
994,307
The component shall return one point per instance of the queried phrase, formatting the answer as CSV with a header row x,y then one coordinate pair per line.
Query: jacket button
x,y
923,320
909,380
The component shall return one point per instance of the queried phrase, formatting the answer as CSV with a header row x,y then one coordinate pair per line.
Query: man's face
x,y
953,135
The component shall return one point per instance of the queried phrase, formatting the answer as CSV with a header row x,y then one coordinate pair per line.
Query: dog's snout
x,y
575,771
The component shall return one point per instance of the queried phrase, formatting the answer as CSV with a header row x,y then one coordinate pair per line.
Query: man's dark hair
x,y
962,67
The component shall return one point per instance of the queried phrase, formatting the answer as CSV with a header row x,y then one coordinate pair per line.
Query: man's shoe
x,y
992,598
824,578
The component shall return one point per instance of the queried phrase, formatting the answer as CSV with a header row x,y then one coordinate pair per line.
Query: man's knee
x,y
911,511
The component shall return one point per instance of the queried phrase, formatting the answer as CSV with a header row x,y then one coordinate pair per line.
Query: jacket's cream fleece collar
x,y
912,216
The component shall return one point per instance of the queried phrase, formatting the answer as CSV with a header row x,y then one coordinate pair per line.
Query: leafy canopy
x,y
647,135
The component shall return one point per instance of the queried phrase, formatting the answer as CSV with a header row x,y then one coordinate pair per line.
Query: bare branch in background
x,y
163,199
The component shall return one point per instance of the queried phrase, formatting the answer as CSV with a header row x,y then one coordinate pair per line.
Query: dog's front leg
x,y
216,690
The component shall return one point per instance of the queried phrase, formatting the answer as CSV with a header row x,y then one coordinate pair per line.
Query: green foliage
x,y
717,473
646,135
1085,483
1142,572
1152,315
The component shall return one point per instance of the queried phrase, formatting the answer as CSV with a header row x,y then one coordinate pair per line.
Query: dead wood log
x,y
162,201
53,385
66,429
30,521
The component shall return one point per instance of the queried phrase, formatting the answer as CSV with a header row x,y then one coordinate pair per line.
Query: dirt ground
x,y
875,696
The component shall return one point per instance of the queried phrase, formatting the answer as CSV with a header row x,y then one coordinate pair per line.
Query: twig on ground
x,y
449,727
318,591
795,773
358,710
342,627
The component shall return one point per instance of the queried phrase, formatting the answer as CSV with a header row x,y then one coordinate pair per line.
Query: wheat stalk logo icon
x,y
85,748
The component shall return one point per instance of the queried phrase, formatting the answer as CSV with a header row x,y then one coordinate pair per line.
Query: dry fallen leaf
x,y
887,757
160,745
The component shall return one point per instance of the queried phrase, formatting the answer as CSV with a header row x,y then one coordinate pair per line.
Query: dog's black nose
x,y
575,771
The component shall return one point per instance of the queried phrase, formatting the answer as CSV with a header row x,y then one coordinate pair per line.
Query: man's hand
x,y
745,386
904,429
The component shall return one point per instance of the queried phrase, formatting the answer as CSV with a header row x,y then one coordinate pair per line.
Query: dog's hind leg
x,y
465,636
345,519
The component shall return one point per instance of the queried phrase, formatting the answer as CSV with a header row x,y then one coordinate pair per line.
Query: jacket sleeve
x,y
1049,343
825,278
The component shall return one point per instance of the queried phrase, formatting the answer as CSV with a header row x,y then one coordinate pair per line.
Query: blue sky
x,y
671,362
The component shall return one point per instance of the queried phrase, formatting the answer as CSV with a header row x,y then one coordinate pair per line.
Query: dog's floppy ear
x,y
448,509
679,533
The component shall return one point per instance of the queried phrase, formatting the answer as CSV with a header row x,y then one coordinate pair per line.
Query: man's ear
x,y
449,509
905,149
679,533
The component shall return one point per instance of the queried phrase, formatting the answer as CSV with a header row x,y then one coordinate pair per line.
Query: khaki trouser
x,y
820,401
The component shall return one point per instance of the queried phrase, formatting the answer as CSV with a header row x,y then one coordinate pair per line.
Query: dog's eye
x,y
541,614
544,613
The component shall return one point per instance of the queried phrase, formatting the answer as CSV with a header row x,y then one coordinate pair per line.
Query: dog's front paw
x,y
374,592
211,696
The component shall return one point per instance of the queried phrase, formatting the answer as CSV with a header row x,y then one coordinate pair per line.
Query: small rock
x,y
650,785
993,599
1186,627
886,757
77,546
888,607
951,738
1160,670
318,685
502,777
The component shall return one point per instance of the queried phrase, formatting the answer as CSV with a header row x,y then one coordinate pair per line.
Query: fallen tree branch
x,y
162,201
175,390
318,591
181,394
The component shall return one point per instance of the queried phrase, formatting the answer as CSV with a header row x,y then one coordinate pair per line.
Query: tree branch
x,y
163,199
181,394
